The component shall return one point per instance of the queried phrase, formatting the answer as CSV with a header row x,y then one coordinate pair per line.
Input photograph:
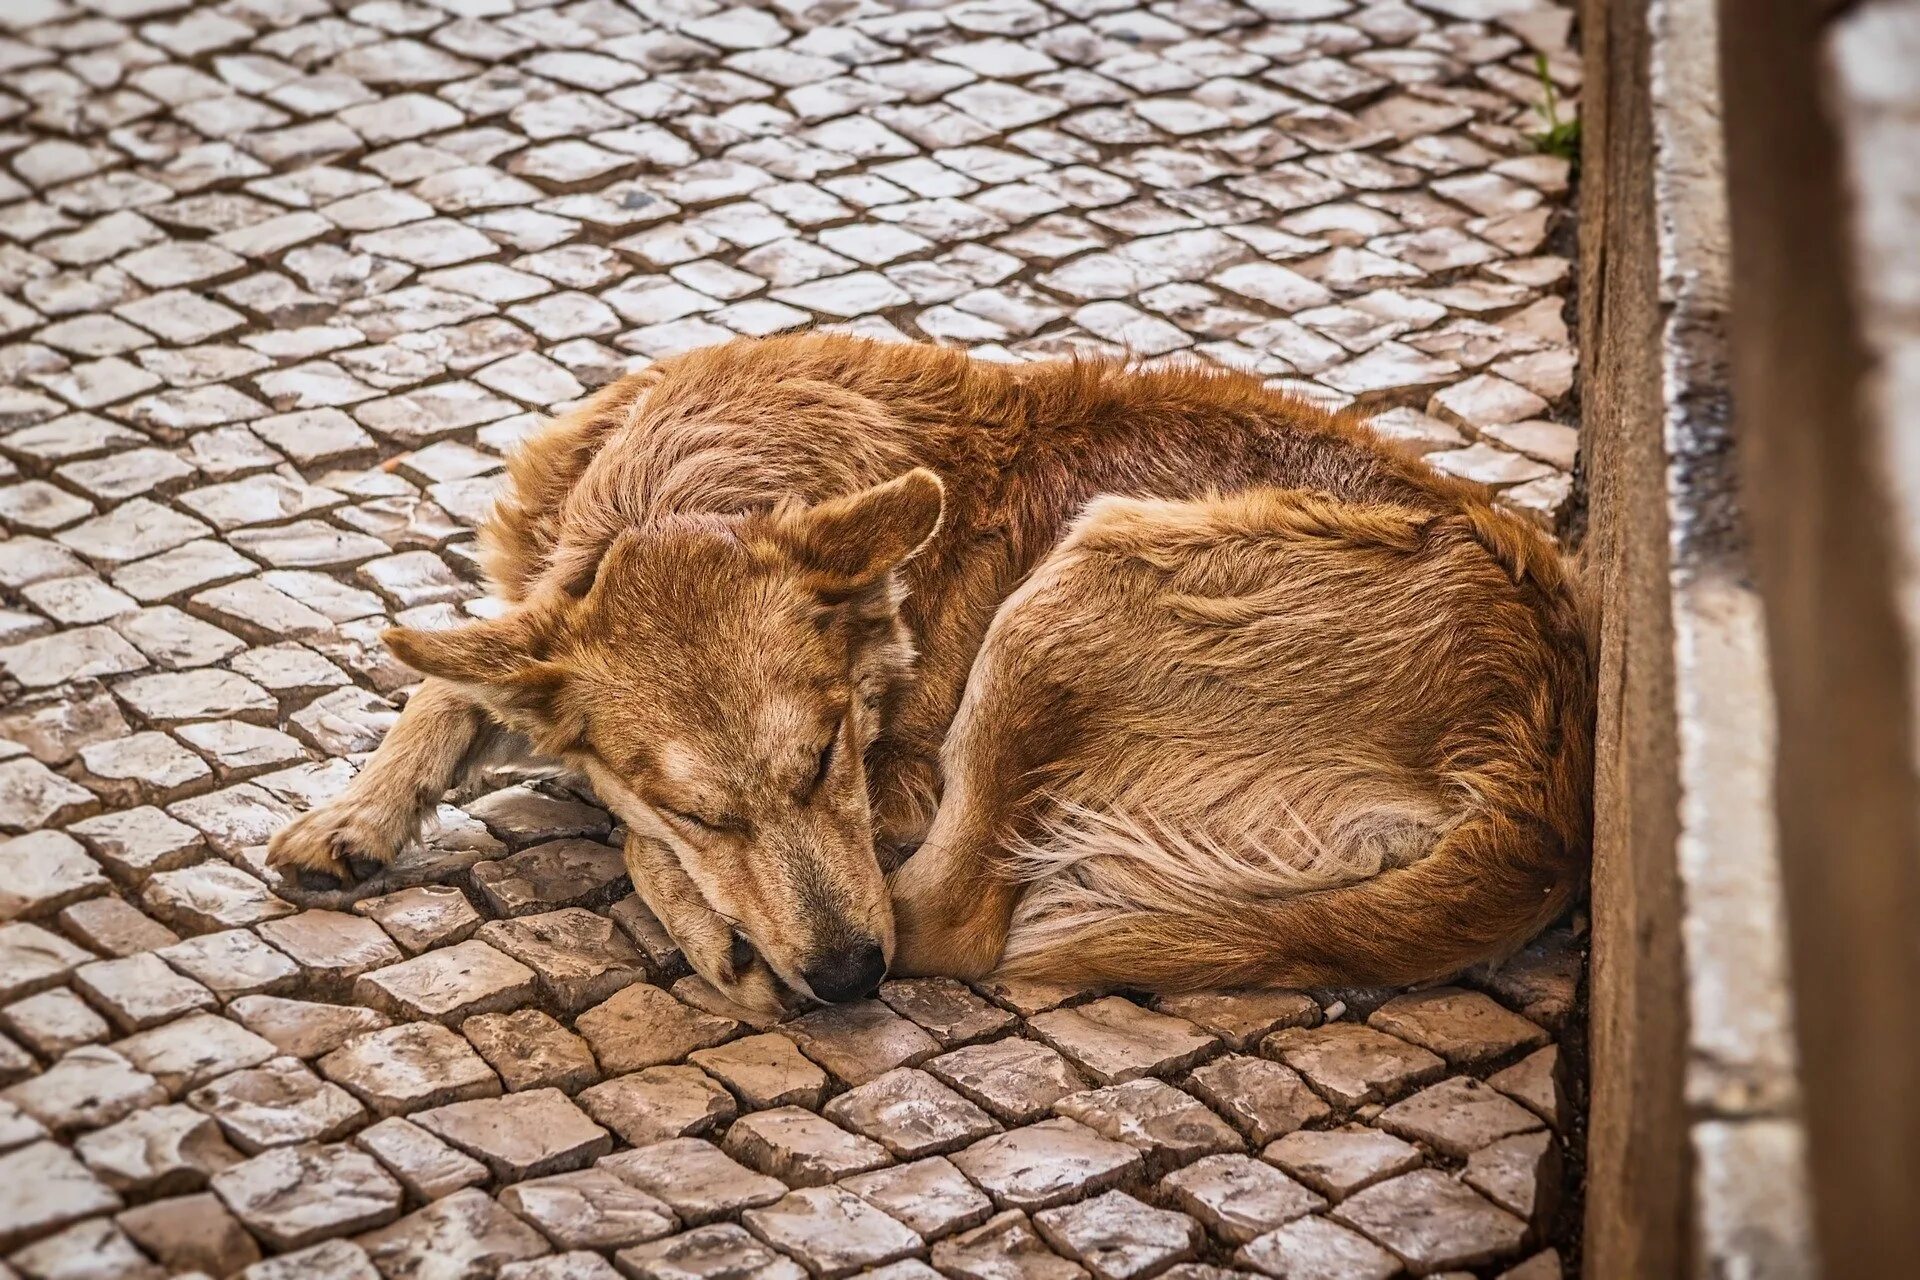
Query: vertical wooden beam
x,y
1819,497
1637,1170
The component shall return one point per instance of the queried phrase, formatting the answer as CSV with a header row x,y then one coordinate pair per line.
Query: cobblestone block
x,y
427,1167
410,1066
643,1026
466,1233
291,1196
764,1071
706,1253
1004,1247
160,1151
1239,1198
1169,1127
911,1114
580,958
532,1051
1015,1080
800,1148
930,1196
520,1135
1046,1164
589,1209
698,1180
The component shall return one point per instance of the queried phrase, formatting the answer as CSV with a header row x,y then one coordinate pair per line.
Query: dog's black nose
x,y
848,974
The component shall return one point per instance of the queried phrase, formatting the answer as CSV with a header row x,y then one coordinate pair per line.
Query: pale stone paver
x,y
280,283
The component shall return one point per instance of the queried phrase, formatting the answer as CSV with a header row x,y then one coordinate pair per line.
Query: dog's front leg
x,y
953,900
358,833
704,936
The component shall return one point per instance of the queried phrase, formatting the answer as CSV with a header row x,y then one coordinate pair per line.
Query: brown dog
x,y
1173,682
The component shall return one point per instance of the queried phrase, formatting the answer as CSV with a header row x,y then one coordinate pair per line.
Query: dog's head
x,y
719,679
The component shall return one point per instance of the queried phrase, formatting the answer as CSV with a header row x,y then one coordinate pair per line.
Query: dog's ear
x,y
499,661
851,542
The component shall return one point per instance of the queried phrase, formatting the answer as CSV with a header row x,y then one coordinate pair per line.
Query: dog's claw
x,y
364,868
318,881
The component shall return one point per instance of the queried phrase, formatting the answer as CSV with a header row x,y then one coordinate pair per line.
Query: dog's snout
x,y
848,973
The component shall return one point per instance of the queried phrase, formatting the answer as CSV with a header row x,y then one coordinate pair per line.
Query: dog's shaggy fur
x,y
1171,681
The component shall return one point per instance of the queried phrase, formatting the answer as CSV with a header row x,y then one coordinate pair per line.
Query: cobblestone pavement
x,y
279,282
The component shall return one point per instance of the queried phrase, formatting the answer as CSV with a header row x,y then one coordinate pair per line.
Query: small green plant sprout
x,y
1559,137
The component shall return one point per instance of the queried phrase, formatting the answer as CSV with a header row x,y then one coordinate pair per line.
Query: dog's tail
x,y
1488,885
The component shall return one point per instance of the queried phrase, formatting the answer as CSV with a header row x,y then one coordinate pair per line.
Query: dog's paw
x,y
334,847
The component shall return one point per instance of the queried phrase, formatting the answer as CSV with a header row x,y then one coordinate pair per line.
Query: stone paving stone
x,y
1239,1198
800,1148
89,1087
577,1265
43,872
423,917
115,928
930,1196
1315,1249
409,1066
946,1010
706,1253
580,958
1264,1099
1520,1174
1169,1127
53,1022
1015,1080
191,1233
302,1028
190,1051
427,1167
698,1180
134,843
1349,1064
1005,1247
1464,1027
659,1103
1432,1222
209,896
520,1135
278,1103
764,1071
292,1196
1457,1116
561,873
48,1189
1338,1162
161,1151
911,1114
1114,1040
231,963
1242,1018
589,1209
96,1247
463,1234
1046,1164
33,959
139,990
331,948
1117,1237
859,1041
532,1051
832,1232
643,1026
1535,1083
449,984
331,1260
